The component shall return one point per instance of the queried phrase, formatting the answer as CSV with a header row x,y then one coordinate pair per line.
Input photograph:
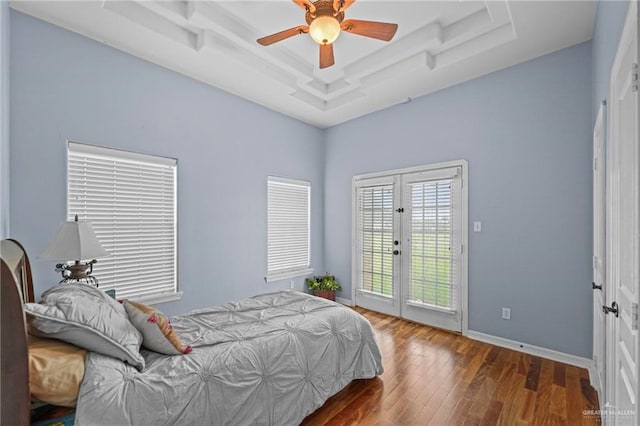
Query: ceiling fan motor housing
x,y
323,8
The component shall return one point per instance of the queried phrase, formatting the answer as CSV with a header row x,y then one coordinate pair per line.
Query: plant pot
x,y
326,294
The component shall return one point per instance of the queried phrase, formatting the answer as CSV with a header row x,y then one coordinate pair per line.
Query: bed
x,y
269,359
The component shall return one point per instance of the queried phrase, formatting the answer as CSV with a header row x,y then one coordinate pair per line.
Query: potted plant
x,y
323,286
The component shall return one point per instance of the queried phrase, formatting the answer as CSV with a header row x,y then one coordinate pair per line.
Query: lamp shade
x,y
75,241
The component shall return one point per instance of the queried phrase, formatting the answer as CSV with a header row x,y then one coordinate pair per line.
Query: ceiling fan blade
x,y
326,55
306,5
342,5
380,30
273,38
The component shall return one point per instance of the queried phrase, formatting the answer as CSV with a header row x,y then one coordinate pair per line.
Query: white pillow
x,y
87,317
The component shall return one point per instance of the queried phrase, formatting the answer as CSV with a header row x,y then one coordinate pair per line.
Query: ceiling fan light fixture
x,y
324,29
325,21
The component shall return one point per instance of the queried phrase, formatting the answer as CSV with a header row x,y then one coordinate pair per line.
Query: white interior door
x,y
599,252
622,291
409,233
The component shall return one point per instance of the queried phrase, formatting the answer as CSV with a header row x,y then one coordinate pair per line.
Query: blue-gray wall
x,y
4,119
526,133
64,86
607,29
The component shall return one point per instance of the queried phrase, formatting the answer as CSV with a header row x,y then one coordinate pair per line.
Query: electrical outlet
x,y
291,285
506,313
477,226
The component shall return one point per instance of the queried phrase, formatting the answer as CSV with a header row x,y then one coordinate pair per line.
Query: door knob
x,y
614,309
396,252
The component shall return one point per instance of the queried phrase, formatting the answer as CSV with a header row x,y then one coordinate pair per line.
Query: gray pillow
x,y
87,317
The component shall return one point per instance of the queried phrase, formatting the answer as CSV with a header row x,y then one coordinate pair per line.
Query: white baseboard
x,y
578,361
347,302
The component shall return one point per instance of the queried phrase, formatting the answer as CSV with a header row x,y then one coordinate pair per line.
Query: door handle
x,y
596,287
614,309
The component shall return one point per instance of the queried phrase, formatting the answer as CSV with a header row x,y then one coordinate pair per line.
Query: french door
x,y
408,256
377,261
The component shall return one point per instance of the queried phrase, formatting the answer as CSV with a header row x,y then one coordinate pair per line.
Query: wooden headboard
x,y
16,288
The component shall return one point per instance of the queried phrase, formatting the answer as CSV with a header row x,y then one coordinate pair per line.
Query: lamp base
x,y
89,279
77,272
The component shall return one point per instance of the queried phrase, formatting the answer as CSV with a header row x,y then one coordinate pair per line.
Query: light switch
x,y
477,226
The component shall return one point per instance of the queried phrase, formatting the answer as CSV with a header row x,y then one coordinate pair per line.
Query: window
x,y
376,238
433,234
288,231
130,199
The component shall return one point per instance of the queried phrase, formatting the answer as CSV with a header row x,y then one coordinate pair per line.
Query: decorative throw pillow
x,y
157,333
56,370
87,317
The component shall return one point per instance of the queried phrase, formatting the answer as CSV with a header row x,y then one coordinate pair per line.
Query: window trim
x,y
127,155
279,275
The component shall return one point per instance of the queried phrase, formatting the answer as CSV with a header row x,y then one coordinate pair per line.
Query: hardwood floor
x,y
433,377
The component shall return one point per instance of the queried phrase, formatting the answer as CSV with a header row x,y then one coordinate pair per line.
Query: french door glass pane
x,y
431,262
376,238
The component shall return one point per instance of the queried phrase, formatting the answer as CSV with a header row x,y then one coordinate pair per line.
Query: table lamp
x,y
76,241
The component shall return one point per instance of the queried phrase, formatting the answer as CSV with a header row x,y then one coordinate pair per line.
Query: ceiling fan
x,y
325,19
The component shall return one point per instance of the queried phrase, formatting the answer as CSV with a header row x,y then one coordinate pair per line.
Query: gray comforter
x,y
270,359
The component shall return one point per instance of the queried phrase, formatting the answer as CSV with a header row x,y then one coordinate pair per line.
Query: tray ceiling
x,y
438,44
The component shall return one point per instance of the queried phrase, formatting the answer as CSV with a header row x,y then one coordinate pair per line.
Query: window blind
x,y
130,199
375,223
288,228
434,237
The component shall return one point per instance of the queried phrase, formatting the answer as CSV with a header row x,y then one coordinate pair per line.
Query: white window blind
x,y
288,228
375,221
130,199
434,238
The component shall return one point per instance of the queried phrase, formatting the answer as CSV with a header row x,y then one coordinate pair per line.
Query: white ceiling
x,y
438,44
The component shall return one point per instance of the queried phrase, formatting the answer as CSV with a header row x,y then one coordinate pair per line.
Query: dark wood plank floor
x,y
433,377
